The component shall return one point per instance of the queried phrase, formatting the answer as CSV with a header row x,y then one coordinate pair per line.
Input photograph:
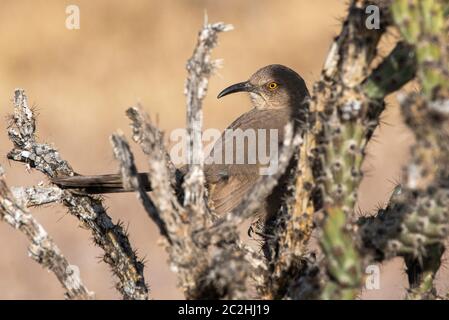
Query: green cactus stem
x,y
398,68
422,24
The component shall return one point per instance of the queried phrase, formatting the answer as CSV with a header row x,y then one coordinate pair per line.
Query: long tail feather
x,y
107,183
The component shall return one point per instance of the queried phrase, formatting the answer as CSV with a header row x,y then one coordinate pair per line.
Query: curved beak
x,y
238,87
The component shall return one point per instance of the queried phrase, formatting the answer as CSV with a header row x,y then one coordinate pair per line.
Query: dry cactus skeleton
x,y
324,166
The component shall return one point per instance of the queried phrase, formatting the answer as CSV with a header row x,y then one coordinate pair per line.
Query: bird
x,y
278,96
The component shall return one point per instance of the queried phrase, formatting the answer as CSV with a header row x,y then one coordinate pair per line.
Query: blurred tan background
x,y
81,82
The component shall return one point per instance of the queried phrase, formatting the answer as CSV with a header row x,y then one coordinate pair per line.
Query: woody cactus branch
x,y
283,245
42,248
149,138
131,179
223,271
199,67
184,256
89,210
37,195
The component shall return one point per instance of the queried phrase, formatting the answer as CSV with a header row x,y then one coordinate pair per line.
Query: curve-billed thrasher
x,y
277,95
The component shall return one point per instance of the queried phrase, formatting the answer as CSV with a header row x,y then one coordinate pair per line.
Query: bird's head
x,y
272,87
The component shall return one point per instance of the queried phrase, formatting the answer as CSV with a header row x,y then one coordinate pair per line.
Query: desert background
x,y
82,81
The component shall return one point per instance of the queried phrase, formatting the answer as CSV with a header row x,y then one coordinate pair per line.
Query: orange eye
x,y
272,85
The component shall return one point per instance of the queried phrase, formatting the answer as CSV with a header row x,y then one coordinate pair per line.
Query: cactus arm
x,y
397,69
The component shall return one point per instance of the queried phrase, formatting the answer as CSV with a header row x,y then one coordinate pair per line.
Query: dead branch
x,y
131,179
88,209
149,138
188,258
42,248
199,68
37,195
224,270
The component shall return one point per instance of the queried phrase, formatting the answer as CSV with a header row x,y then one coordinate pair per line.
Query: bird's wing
x,y
227,193
229,183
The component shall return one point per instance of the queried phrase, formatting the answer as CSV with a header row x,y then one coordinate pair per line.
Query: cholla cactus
x,y
415,223
346,104
423,24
